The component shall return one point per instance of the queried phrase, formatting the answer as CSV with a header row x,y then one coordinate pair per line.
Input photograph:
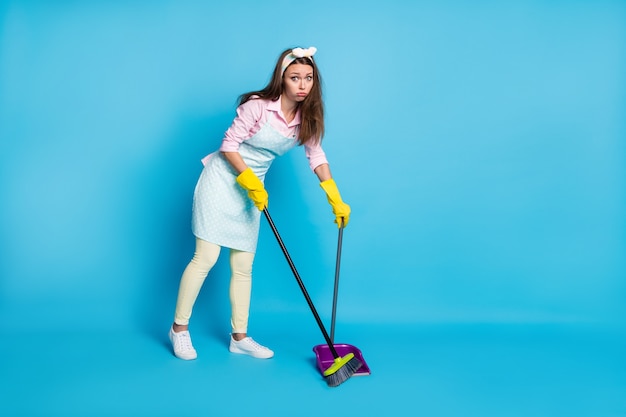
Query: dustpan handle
x,y
336,290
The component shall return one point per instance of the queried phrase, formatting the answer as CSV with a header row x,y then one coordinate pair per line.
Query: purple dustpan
x,y
325,357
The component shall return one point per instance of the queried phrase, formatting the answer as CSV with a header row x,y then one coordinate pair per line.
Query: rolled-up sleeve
x,y
244,126
315,154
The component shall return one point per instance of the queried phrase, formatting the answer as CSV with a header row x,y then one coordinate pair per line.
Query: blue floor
x,y
528,370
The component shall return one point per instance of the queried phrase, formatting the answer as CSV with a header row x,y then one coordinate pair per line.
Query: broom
x,y
342,367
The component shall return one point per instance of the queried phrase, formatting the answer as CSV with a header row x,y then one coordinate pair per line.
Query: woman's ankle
x,y
180,327
239,336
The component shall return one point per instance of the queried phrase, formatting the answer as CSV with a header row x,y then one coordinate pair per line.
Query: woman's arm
x,y
340,209
245,124
235,159
323,172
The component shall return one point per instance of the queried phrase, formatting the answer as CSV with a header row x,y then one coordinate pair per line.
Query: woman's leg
x,y
240,290
191,282
193,277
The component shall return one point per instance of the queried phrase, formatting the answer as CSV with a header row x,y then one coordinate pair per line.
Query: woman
x,y
230,195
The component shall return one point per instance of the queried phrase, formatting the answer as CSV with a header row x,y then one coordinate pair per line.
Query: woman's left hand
x,y
340,209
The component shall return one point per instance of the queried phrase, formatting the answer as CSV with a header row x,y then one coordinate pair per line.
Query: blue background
x,y
481,146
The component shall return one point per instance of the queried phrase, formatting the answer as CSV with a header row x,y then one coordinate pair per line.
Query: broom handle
x,y
336,290
301,284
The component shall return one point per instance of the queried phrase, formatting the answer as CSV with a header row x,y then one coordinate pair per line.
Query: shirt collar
x,y
276,107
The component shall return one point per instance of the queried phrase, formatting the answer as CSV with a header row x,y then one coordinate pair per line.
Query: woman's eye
x,y
294,78
309,78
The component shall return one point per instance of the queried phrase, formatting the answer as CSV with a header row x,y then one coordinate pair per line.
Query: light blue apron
x,y
222,211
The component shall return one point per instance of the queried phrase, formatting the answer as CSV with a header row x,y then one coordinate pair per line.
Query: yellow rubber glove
x,y
248,180
340,209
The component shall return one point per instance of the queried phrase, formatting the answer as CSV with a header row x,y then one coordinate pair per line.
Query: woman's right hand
x,y
256,191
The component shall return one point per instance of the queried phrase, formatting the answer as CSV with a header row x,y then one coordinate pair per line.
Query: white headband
x,y
298,53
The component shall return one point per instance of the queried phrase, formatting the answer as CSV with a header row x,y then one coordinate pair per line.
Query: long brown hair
x,y
311,108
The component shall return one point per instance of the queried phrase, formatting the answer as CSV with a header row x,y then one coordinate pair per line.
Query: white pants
x,y
197,270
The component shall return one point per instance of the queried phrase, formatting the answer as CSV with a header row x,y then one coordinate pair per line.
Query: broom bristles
x,y
343,373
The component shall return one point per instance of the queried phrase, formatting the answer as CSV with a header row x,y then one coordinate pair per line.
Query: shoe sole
x,y
253,354
185,358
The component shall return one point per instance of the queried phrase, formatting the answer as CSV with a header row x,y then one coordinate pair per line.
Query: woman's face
x,y
297,82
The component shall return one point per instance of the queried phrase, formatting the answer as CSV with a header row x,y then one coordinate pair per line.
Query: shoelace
x,y
254,345
184,341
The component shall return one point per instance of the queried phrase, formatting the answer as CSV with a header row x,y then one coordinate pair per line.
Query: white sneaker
x,y
247,346
181,341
